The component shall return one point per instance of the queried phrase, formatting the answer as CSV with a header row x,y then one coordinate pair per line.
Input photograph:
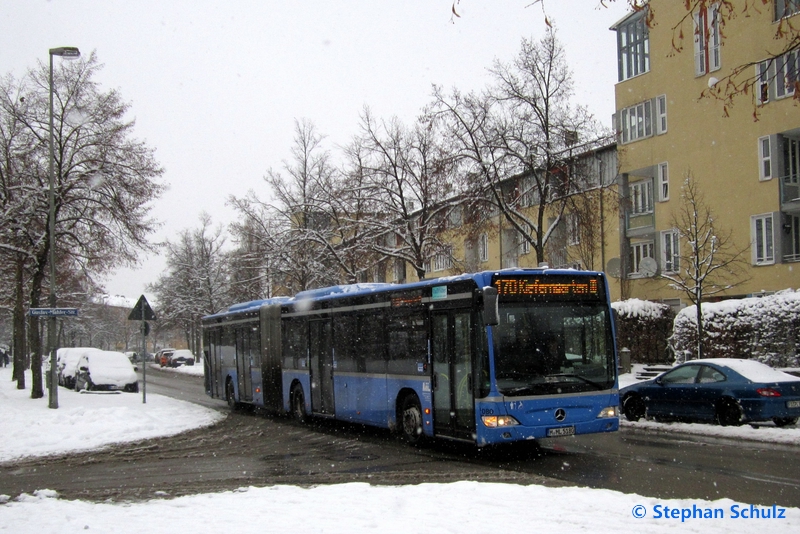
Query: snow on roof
x,y
751,370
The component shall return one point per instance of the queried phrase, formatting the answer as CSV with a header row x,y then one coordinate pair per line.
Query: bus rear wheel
x,y
230,396
298,404
411,420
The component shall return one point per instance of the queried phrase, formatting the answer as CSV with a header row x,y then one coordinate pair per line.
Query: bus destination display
x,y
550,286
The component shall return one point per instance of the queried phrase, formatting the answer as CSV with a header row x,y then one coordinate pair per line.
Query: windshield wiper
x,y
530,389
598,385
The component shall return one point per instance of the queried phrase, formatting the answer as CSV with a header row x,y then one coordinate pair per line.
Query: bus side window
x,y
345,344
371,343
295,343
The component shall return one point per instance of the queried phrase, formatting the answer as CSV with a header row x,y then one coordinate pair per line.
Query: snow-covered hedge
x,y
644,327
766,329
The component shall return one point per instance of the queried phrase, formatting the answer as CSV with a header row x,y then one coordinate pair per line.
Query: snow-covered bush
x,y
765,328
644,327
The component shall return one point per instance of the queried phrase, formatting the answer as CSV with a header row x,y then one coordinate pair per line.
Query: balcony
x,y
790,193
637,224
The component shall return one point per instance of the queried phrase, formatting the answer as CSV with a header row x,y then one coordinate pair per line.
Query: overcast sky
x,y
215,87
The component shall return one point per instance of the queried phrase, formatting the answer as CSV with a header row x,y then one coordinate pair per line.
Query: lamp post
x,y
65,52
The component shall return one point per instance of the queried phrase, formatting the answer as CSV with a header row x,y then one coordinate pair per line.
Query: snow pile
x,y
88,421
644,327
763,328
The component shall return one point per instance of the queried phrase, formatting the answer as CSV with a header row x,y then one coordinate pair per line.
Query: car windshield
x,y
553,348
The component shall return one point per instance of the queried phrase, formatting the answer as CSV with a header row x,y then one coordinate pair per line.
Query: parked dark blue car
x,y
722,390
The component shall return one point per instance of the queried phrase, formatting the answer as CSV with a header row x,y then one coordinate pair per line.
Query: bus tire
x,y
298,403
230,396
411,420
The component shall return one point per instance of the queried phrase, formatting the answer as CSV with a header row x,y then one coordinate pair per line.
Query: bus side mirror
x,y
491,313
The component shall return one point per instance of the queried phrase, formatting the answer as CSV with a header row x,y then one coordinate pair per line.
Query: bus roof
x,y
352,290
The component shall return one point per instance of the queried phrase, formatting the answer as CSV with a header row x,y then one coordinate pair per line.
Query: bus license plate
x,y
561,431
793,404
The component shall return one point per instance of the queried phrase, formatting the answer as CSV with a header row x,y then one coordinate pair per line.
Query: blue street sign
x,y
53,312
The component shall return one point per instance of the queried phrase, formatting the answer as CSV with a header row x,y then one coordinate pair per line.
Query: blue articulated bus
x,y
487,358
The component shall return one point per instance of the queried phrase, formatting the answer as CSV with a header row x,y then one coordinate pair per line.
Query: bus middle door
x,y
321,352
451,354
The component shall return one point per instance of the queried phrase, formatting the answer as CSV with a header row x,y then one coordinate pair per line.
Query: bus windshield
x,y
553,348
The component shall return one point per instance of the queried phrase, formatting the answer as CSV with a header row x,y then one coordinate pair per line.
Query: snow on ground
x,y
86,421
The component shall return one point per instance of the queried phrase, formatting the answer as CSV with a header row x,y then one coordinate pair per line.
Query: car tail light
x,y
768,392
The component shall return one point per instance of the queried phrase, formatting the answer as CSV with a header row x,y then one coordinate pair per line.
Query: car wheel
x,y
784,421
298,402
411,420
633,407
729,413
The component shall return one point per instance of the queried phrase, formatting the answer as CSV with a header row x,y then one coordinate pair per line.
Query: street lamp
x,y
65,52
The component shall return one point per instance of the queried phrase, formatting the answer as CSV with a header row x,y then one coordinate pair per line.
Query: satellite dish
x,y
614,267
648,267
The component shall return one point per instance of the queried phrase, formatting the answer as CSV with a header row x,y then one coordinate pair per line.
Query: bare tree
x,y
104,184
708,262
517,140
197,281
410,179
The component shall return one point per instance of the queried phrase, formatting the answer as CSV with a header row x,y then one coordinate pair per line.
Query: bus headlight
x,y
498,421
610,411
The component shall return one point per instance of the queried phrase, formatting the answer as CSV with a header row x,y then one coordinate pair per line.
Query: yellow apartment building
x,y
746,164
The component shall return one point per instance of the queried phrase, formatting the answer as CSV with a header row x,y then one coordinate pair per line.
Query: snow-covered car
x,y
180,357
67,359
727,391
106,371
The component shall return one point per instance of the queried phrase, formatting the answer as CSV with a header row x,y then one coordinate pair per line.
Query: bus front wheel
x,y
411,420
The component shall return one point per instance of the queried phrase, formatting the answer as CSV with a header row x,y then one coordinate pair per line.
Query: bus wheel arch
x,y
409,417
297,402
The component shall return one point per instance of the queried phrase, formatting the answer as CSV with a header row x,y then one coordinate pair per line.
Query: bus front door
x,y
321,352
451,348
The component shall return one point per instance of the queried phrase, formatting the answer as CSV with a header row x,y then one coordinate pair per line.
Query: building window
x,y
661,114
640,251
706,40
525,244
483,247
763,249
641,197
786,8
791,161
637,122
670,247
399,270
663,181
573,229
441,262
787,68
764,158
633,47
762,82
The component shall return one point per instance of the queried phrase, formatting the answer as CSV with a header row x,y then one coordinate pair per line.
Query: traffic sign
x,y
53,312
142,311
